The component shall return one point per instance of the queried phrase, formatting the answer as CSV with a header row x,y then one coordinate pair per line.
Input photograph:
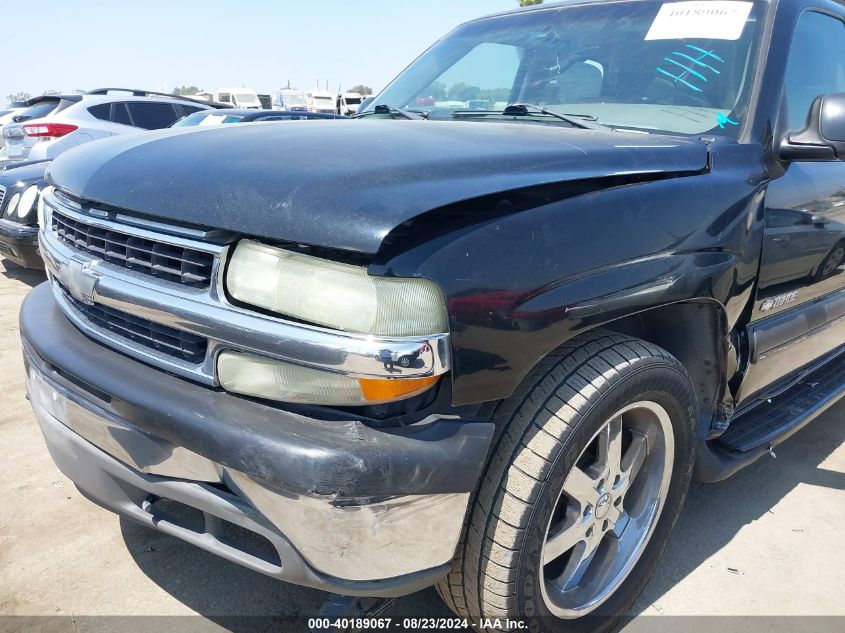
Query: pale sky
x,y
259,44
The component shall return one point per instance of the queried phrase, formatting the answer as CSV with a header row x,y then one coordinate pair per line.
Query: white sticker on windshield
x,y
720,20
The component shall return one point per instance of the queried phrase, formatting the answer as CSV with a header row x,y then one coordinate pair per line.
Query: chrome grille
x,y
178,264
2,195
165,340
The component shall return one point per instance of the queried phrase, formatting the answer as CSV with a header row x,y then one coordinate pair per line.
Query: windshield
x,y
37,111
244,98
294,100
681,67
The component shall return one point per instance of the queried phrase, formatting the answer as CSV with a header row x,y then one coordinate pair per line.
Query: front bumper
x,y
344,507
19,243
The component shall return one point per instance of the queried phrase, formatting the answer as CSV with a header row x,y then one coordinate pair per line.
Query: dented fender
x,y
518,286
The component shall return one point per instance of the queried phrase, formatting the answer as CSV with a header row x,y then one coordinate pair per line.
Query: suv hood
x,y
346,184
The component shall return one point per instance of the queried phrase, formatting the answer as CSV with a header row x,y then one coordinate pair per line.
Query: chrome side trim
x,y
206,313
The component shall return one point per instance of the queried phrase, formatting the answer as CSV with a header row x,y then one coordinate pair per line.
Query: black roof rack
x,y
138,92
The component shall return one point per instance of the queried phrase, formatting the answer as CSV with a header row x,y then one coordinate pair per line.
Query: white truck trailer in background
x,y
349,102
320,101
290,99
238,98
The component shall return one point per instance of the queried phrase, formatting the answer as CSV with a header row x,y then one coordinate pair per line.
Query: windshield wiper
x,y
583,121
388,109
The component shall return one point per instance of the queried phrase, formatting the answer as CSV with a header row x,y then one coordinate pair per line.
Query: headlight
x,y
275,380
335,295
27,200
13,204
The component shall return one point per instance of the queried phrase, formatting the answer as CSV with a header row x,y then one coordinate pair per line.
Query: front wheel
x,y
582,492
832,261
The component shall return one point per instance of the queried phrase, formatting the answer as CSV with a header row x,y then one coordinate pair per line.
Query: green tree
x,y
495,95
186,91
19,96
462,92
437,91
528,3
361,89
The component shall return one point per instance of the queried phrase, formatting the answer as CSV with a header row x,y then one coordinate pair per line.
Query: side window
x,y
152,116
121,114
225,97
101,111
784,218
816,64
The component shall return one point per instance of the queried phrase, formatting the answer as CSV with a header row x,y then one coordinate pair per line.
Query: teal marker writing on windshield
x,y
722,120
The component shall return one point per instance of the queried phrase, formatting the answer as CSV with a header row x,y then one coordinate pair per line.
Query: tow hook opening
x,y
174,514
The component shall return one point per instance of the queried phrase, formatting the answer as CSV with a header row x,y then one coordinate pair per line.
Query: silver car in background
x,y
78,119
20,111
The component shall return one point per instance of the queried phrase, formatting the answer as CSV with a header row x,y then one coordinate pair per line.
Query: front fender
x,y
519,286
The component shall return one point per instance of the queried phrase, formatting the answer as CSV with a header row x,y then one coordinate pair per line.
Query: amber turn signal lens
x,y
380,390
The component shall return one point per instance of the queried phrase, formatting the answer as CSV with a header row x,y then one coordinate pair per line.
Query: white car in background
x,y
7,115
78,119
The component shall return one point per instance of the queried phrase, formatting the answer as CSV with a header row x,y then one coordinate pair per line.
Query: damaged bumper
x,y
335,504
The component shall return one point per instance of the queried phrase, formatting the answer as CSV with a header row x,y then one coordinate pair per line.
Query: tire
x,y
832,261
547,430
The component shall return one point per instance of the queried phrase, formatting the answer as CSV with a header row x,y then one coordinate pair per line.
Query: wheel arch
x,y
696,333
817,269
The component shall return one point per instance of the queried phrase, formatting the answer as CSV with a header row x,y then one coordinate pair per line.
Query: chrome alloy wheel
x,y
608,508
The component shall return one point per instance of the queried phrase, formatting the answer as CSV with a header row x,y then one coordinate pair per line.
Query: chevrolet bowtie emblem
x,y
80,279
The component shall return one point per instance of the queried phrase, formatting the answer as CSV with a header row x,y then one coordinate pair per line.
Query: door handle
x,y
778,239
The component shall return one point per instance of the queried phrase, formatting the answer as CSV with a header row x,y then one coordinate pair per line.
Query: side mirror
x,y
823,136
819,220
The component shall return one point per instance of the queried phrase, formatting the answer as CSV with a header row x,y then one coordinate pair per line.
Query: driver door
x,y
799,312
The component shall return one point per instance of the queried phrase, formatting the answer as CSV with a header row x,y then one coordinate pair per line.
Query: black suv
x,y
606,239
